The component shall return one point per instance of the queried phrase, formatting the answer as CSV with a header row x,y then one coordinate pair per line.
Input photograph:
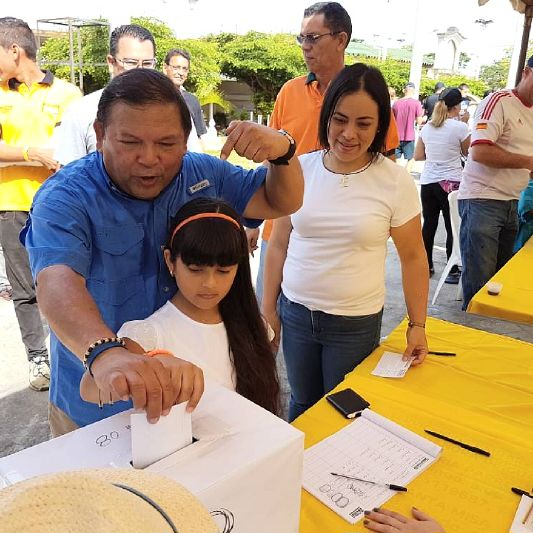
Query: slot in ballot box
x,y
246,463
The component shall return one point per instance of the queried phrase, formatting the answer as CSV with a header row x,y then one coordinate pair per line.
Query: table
x,y
515,302
483,396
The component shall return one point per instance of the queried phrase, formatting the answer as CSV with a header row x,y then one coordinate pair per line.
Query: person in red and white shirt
x,y
497,170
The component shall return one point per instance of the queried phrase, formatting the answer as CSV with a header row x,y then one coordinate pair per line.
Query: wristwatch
x,y
284,159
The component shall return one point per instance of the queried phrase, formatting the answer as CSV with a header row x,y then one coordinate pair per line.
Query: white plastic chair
x,y
455,258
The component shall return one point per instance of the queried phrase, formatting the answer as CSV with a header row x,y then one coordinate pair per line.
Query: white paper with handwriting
x,y
153,442
373,448
391,366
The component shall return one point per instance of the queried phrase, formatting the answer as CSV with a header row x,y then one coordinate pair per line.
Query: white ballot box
x,y
245,466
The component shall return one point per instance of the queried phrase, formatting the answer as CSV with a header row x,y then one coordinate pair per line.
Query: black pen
x,y
459,443
521,492
442,353
390,486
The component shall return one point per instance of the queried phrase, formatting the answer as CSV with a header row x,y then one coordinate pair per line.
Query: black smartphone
x,y
348,402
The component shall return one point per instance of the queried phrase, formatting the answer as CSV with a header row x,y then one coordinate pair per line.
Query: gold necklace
x,y
345,176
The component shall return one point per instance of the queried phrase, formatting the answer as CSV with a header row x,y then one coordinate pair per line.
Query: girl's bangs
x,y
210,242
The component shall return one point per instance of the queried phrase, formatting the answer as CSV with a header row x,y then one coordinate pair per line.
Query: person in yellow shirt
x,y
32,103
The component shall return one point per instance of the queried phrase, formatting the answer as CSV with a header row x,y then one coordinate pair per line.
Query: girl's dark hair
x,y
352,79
215,241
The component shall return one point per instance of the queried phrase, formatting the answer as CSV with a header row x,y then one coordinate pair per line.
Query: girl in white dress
x,y
213,320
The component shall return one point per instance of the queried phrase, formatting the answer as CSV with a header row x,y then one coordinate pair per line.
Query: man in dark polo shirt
x,y
176,67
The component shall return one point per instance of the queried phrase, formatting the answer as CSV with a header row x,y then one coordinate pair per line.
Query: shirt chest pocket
x,y
5,111
52,111
118,252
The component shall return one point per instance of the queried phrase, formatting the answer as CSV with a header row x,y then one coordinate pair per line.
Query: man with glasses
x,y
131,46
176,67
498,169
325,33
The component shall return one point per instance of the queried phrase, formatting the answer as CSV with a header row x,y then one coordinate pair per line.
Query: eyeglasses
x,y
177,68
312,38
130,64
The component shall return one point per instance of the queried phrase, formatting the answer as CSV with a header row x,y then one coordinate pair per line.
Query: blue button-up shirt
x,y
80,219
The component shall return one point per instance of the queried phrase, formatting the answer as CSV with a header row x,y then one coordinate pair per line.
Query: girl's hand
x,y
188,377
386,521
274,322
417,345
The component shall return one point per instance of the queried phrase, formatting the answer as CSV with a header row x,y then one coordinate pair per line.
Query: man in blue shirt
x,y
96,234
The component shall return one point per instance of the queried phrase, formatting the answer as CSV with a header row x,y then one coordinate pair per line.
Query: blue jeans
x,y
488,233
320,349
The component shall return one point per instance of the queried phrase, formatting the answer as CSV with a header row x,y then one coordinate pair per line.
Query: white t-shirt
x,y
501,119
443,151
76,138
337,248
205,345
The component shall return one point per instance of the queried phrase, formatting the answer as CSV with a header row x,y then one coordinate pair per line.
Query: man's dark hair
x,y
16,31
129,30
352,79
139,87
177,52
336,17
463,86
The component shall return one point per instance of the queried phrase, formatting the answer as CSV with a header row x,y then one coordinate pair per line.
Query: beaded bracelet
x,y
97,348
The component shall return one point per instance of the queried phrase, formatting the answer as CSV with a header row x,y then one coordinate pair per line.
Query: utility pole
x,y
415,74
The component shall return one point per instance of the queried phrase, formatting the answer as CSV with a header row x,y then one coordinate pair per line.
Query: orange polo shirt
x,y
297,110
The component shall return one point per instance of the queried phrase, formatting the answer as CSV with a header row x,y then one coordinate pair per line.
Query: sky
x,y
385,22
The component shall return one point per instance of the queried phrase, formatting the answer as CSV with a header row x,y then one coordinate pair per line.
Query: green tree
x,y
477,87
265,62
464,59
495,74
94,50
204,76
395,72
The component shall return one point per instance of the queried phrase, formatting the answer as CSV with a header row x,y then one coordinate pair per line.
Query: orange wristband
x,y
153,353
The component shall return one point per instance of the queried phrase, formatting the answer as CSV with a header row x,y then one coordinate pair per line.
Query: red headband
x,y
198,217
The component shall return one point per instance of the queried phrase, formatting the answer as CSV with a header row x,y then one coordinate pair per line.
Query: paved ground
x,y
23,411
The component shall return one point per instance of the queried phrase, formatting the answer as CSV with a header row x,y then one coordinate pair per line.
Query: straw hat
x,y
90,501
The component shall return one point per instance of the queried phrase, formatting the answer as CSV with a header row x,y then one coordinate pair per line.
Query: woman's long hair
x,y
215,241
440,114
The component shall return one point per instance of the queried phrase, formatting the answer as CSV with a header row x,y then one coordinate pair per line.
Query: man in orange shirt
x,y
325,33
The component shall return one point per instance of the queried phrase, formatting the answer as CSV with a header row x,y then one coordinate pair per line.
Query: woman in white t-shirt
x,y
328,258
440,145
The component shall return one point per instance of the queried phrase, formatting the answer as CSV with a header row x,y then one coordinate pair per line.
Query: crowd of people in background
x,y
138,242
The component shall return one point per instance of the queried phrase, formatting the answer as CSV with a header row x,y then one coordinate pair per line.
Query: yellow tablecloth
x,y
483,396
515,302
